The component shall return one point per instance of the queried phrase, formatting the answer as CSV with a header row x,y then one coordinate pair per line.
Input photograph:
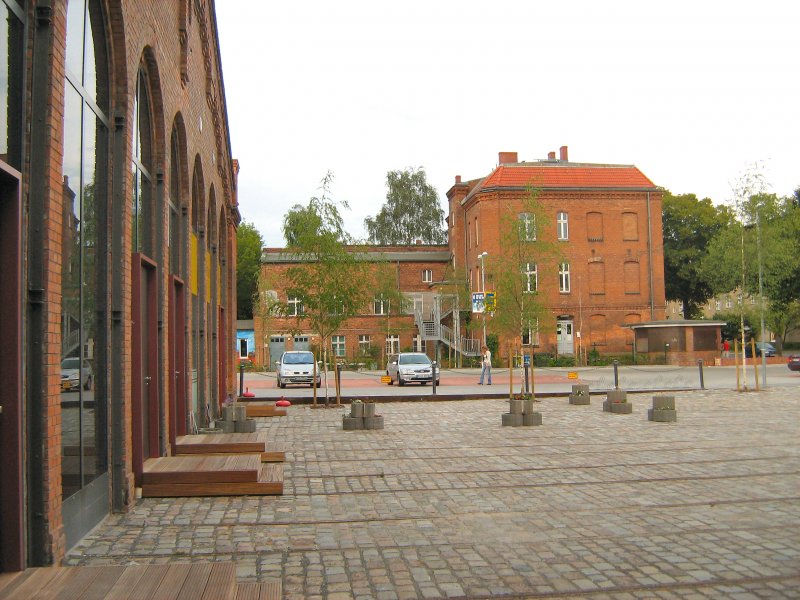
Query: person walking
x,y
486,365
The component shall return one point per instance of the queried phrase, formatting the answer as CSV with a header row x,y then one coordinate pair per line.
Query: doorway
x,y
144,384
11,491
564,336
177,360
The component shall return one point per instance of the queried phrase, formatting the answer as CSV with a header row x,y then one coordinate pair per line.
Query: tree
x,y
523,253
249,244
331,282
411,212
689,225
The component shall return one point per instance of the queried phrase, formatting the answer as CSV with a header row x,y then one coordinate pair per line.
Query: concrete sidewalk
x,y
446,503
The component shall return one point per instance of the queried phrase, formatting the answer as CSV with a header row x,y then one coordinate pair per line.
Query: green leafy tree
x,y
332,282
519,309
249,244
411,212
689,225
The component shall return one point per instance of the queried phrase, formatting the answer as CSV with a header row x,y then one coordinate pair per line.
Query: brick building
x,y
606,223
383,327
118,218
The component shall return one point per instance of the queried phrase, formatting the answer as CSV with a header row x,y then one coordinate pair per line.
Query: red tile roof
x,y
567,175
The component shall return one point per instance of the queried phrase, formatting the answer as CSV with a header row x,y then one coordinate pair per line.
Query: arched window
x,y
143,219
176,169
85,188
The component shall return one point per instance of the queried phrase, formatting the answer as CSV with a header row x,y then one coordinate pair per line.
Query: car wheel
x,y
437,382
423,383
281,384
400,381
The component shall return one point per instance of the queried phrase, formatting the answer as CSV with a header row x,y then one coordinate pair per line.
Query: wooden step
x,y
271,590
270,483
265,410
268,456
225,468
220,443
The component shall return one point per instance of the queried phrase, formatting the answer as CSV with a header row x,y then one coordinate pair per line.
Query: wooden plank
x,y
196,582
270,590
8,581
269,455
270,483
222,442
72,586
195,469
265,410
173,582
221,583
34,580
100,586
127,582
148,583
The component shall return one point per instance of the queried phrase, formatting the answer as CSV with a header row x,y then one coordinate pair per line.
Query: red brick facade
x,y
613,243
84,244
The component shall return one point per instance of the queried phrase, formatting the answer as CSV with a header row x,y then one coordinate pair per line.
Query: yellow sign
x,y
386,379
572,374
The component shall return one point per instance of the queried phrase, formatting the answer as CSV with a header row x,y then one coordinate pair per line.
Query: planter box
x,y
617,396
228,426
357,410
228,413
246,426
352,423
583,399
369,409
375,422
618,408
580,387
532,418
515,407
239,412
527,406
664,402
512,420
662,416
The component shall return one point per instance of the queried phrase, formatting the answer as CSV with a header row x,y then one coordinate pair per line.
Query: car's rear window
x,y
414,359
300,358
70,363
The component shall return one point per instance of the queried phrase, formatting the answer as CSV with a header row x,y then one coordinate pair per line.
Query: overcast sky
x,y
692,93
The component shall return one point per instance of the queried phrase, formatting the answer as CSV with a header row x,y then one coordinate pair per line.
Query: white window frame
x,y
427,275
562,222
339,345
563,278
392,344
718,304
419,344
243,344
527,226
530,273
380,306
364,344
295,306
728,302
531,334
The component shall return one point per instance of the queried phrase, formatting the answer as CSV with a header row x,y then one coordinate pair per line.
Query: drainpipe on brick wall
x,y
650,258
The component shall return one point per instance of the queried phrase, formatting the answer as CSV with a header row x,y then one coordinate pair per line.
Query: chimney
x,y
551,156
458,178
563,154
506,158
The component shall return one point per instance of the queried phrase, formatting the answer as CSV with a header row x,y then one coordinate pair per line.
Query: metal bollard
x,y
434,369
241,379
527,379
700,366
616,374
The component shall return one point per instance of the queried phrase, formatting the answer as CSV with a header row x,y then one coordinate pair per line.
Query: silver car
x,y
297,367
74,374
410,366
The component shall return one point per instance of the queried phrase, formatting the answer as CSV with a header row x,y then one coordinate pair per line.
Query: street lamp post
x,y
481,256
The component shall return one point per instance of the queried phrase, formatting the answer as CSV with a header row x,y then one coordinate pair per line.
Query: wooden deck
x,y
228,443
264,410
211,475
195,581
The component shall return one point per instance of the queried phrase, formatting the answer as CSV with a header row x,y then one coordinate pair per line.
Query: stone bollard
x,y
352,423
512,419
532,418
663,410
375,422
617,403
357,410
244,426
369,409
239,412
515,407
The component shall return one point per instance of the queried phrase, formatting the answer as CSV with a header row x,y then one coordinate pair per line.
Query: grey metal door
x,y
277,346
564,335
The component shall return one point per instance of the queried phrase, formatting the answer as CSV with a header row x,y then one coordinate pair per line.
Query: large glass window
x,y
338,345
83,363
11,52
380,306
140,167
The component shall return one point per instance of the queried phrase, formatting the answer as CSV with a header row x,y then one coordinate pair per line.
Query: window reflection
x,y
11,49
83,401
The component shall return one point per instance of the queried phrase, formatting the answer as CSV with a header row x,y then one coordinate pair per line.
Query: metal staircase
x,y
429,323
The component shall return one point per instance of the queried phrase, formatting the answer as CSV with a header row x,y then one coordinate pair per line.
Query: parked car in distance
x,y
761,348
410,366
297,367
73,375
793,362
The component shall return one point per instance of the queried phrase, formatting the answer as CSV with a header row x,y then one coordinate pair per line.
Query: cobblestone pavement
x,y
446,503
